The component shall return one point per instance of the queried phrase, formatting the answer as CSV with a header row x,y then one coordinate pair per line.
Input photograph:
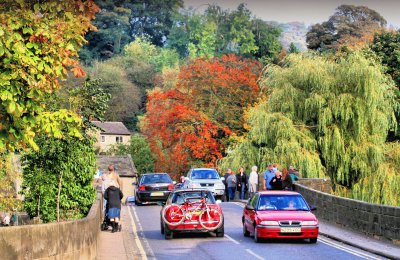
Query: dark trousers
x,y
231,193
226,193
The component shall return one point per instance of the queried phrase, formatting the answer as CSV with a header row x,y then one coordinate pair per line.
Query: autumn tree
x,y
187,124
348,23
39,42
221,88
328,116
179,136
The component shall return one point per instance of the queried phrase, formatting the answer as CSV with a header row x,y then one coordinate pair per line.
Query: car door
x,y
249,214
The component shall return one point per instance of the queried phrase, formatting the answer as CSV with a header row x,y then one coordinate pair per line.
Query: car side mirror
x,y
218,201
134,183
249,207
313,207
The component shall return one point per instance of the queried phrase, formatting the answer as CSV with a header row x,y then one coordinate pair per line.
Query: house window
x,y
118,139
103,138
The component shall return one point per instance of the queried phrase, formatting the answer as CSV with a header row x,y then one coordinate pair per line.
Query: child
x,y
113,195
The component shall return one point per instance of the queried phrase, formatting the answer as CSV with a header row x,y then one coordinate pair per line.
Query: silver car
x,y
205,178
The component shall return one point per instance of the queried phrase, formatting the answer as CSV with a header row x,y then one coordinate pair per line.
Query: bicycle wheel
x,y
173,215
211,219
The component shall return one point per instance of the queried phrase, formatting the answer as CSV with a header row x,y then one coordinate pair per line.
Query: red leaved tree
x,y
186,125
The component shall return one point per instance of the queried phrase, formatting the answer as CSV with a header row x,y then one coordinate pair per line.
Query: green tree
x,y
347,21
59,176
386,45
140,152
38,42
57,179
153,19
293,48
330,117
113,33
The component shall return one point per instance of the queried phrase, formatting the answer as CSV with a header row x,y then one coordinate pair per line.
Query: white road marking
x,y
254,254
147,245
239,204
231,239
137,240
346,249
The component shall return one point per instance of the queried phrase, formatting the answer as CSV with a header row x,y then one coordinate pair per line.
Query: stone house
x,y
110,133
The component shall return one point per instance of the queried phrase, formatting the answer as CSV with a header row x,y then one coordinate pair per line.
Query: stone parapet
x,y
375,220
60,240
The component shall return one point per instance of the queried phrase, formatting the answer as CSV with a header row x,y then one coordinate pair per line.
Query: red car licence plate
x,y
290,230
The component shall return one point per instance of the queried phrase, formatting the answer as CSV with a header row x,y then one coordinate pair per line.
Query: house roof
x,y
116,128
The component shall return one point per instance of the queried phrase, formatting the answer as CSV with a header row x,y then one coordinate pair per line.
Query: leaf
x,y
11,107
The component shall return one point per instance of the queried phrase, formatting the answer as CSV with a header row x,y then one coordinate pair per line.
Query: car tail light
x,y
170,186
142,187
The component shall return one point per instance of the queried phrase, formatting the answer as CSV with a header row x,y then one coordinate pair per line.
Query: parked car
x,y
129,201
279,214
153,187
191,210
207,178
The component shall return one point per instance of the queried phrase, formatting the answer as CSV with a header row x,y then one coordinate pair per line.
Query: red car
x,y
191,210
279,214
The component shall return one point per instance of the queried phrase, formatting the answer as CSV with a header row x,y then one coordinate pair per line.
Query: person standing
x,y
227,174
253,181
276,181
287,183
241,178
268,175
231,182
113,196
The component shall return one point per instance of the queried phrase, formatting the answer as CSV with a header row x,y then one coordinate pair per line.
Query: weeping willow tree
x,y
329,116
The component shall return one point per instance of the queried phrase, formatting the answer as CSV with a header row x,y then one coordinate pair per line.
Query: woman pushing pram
x,y
113,196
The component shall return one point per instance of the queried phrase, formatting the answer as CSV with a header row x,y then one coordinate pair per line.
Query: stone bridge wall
x,y
64,240
373,219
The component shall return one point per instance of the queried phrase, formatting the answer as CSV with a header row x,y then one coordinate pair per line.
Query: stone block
x,y
45,240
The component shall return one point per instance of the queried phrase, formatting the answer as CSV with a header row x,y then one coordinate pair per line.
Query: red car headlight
x,y
309,223
269,223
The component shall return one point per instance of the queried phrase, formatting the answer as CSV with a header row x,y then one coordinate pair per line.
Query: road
x,y
146,220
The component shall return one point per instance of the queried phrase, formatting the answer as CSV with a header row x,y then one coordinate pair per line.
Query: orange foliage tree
x,y
186,125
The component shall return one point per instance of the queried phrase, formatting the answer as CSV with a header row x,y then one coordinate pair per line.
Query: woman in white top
x,y
253,180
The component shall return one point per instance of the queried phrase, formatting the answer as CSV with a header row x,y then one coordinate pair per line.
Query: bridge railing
x,y
63,240
372,219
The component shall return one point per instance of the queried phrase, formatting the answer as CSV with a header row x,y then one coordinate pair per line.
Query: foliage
x,y
69,161
38,42
221,88
153,19
8,175
125,96
386,45
187,124
293,48
218,32
140,152
326,116
113,34
349,23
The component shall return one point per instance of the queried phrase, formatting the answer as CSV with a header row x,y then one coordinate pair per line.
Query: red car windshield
x,y
282,202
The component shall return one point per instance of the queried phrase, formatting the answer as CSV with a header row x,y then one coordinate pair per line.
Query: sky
x,y
307,11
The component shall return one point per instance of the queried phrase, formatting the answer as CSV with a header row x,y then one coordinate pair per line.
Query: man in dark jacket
x,y
226,184
113,196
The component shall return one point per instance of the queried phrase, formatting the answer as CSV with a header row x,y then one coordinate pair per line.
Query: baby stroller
x,y
107,223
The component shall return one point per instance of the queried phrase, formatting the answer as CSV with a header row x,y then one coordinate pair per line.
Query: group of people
x,y
112,192
273,180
